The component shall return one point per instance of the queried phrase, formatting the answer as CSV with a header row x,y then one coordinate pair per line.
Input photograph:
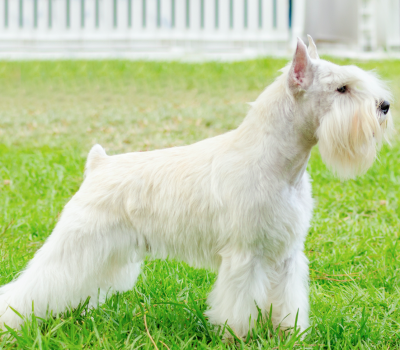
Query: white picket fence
x,y
145,28
392,17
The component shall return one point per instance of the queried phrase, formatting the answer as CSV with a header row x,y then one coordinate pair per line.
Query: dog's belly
x,y
197,235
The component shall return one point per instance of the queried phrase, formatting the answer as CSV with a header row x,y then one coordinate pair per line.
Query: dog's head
x,y
347,108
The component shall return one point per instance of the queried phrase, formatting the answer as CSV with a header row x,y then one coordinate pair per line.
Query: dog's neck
x,y
280,133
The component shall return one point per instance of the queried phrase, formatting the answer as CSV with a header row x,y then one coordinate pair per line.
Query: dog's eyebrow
x,y
345,81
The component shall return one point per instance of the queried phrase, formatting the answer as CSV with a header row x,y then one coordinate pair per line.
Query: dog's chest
x,y
280,218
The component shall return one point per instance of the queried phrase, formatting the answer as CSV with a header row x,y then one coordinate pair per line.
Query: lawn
x,y
51,113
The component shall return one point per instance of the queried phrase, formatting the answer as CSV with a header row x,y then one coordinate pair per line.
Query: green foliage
x,y
51,113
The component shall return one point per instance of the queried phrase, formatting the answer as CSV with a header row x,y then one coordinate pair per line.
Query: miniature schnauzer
x,y
239,203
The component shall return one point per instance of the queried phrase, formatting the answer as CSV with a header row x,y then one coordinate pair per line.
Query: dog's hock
x,y
96,154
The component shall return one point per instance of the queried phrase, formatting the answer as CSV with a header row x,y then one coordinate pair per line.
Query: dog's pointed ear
x,y
312,48
300,74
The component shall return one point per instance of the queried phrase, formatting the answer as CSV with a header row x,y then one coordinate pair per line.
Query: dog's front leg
x,y
240,288
88,250
289,292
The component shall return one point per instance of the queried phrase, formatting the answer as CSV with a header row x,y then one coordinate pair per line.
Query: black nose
x,y
385,107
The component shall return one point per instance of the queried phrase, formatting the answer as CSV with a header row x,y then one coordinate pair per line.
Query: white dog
x,y
239,203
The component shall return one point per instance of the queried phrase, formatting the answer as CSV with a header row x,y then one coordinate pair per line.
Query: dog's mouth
x,y
381,118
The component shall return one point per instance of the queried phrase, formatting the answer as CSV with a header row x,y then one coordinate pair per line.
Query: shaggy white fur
x,y
239,203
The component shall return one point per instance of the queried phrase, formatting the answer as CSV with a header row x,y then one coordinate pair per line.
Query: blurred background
x,y
195,29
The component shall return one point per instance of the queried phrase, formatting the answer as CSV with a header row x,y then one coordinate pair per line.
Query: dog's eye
x,y
342,89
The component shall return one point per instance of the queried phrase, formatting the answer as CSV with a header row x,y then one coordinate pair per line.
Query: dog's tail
x,y
96,155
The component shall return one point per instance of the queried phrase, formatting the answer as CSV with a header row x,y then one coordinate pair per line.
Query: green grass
x,y
51,113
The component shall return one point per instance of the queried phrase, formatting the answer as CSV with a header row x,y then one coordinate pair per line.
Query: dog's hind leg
x,y
289,292
117,277
240,288
73,264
